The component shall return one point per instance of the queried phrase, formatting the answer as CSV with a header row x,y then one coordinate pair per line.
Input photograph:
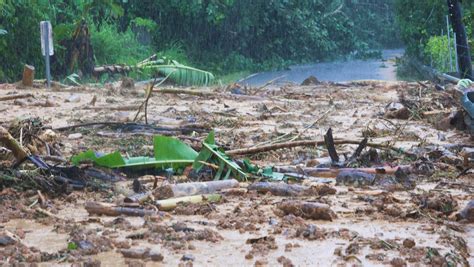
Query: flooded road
x,y
373,69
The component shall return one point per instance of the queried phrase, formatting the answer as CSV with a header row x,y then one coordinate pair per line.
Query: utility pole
x,y
464,56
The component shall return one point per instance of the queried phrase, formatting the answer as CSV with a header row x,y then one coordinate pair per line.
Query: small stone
x,y
409,243
137,253
261,263
74,136
91,263
156,256
6,240
73,99
187,257
398,262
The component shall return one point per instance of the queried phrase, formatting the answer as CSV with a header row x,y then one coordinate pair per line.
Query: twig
x,y
259,149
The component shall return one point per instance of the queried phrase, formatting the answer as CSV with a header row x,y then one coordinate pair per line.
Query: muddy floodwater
x,y
405,219
338,71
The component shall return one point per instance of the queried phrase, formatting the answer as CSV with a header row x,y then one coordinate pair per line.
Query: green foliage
x,y
169,153
113,47
437,51
212,153
221,35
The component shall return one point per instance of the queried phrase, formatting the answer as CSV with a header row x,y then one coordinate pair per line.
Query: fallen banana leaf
x,y
212,153
169,153
266,172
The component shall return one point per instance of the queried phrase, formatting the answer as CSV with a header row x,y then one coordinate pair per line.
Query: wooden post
x,y
28,75
464,55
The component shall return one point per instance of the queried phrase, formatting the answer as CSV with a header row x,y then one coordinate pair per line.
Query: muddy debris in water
x,y
440,202
261,246
195,209
136,253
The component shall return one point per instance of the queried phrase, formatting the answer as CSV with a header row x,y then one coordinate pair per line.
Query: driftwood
x,y
9,142
284,189
278,189
333,172
28,75
114,108
13,97
109,210
201,93
266,148
191,189
183,128
172,203
307,210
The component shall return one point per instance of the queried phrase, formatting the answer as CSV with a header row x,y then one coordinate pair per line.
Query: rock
x,y
355,178
91,263
73,99
136,253
156,256
127,83
397,111
285,261
187,257
261,263
74,136
6,240
308,210
468,212
398,262
311,80
409,242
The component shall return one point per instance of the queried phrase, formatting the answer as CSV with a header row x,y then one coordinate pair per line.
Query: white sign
x,y
46,25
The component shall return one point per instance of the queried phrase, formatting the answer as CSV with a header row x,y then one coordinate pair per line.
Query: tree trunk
x,y
172,203
28,75
191,189
9,142
464,55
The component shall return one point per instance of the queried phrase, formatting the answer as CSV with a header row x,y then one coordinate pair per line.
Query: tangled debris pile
x,y
361,172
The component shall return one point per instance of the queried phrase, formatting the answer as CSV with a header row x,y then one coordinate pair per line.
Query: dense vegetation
x,y
423,29
220,35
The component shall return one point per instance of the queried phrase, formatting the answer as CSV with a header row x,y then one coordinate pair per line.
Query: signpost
x,y
47,47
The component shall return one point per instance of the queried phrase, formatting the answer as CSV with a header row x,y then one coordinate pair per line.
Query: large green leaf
x,y
178,73
212,153
169,153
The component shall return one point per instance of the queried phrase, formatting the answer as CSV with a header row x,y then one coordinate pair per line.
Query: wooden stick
x,y
109,210
183,128
265,148
202,93
9,142
13,97
115,108
333,172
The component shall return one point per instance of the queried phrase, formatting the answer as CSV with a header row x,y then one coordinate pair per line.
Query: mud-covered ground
x,y
398,225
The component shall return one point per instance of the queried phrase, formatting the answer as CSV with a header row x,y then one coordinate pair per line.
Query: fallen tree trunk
x,y
278,189
172,203
265,148
307,210
333,172
13,97
9,142
109,210
191,189
286,190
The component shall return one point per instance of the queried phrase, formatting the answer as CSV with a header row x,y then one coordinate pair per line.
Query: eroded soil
x,y
375,225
